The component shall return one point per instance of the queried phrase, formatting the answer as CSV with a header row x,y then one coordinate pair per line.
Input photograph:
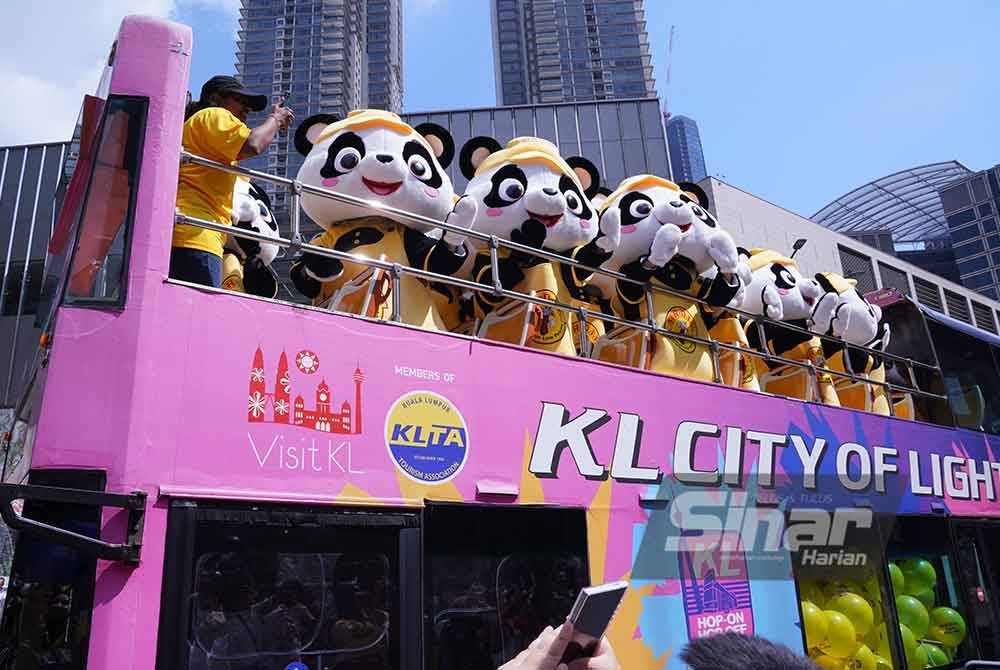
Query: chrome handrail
x,y
493,244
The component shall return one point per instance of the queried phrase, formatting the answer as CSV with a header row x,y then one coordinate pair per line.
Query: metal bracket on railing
x,y
295,216
584,340
494,265
396,302
650,318
716,363
127,552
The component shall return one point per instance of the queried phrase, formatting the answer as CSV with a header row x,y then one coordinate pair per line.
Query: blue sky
x,y
797,102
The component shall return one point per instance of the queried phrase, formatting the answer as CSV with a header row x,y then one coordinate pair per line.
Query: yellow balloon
x,y
814,623
841,640
856,609
812,592
833,589
881,663
863,659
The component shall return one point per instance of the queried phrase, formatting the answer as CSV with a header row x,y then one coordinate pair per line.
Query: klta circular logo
x,y
426,437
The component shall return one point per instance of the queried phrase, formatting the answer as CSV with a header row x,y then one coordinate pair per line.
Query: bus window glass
x,y
495,578
977,552
926,593
970,377
842,597
98,267
46,618
272,588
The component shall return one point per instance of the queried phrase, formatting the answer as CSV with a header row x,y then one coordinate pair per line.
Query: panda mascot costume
x,y
375,156
780,292
842,312
246,263
528,194
657,233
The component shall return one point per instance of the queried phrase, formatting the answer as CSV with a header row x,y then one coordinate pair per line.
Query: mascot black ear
x,y
309,130
474,152
259,194
824,283
696,191
440,141
587,173
742,251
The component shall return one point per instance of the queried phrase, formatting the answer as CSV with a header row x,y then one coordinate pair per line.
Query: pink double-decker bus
x,y
202,479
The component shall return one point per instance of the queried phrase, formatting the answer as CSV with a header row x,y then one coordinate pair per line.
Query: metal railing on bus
x,y
295,244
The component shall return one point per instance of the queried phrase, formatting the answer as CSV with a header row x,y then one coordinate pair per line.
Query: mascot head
x,y
526,180
375,156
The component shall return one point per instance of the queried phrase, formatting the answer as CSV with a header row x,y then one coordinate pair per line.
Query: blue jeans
x,y
197,267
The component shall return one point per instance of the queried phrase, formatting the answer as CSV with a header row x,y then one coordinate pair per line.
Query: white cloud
x,y
52,54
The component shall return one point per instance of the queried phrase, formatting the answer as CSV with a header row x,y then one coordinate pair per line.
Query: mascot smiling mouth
x,y
381,187
547,221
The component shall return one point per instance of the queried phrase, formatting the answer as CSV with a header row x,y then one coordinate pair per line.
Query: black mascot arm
x,y
431,254
305,284
719,291
530,234
260,279
629,292
590,255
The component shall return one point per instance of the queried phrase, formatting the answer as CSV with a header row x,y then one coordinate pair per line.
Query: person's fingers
x,y
557,645
603,659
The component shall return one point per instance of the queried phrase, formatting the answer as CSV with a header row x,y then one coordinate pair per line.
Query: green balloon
x,y
946,626
897,578
913,615
926,597
910,647
935,655
918,574
919,659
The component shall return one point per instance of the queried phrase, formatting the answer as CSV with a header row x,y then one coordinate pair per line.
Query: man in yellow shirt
x,y
215,128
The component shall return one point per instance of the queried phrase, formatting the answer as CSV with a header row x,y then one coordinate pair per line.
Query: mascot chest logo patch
x,y
679,320
427,437
551,322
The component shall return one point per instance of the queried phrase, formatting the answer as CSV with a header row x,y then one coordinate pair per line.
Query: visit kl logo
x,y
427,437
327,411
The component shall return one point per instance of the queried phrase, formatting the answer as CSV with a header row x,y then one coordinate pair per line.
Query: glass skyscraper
x,y
550,51
686,156
330,56
971,207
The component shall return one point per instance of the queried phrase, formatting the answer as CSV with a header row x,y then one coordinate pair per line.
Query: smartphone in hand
x,y
590,616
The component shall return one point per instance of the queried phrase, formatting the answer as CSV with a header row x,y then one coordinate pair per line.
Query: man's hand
x,y
282,115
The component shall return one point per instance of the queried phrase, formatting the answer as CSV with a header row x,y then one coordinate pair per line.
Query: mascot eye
x,y
511,189
574,203
419,167
347,159
640,209
785,278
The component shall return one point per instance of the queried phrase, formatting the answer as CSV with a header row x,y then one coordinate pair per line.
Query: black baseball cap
x,y
221,83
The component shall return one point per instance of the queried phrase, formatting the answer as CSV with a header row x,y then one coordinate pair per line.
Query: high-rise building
x,y
329,56
549,51
385,54
686,157
971,206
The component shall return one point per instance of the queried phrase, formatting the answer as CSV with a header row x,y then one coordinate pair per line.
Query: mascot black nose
x,y
384,158
549,190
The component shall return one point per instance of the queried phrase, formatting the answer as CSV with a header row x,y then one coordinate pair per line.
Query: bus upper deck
x,y
291,487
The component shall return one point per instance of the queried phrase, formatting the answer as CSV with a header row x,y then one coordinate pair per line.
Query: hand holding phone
x,y
590,616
